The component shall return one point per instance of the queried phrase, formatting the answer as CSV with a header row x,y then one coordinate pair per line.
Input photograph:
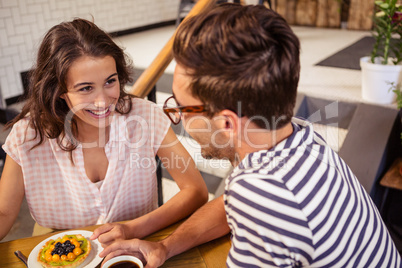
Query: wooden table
x,y
212,254
393,177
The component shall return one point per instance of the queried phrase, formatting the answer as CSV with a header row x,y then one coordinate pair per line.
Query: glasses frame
x,y
181,109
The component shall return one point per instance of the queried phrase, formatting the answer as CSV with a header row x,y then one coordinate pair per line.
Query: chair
x,y
392,201
152,97
261,2
184,8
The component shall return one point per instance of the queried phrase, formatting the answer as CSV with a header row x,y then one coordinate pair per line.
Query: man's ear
x,y
227,120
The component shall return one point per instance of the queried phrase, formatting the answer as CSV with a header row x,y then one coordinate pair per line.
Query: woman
x,y
83,151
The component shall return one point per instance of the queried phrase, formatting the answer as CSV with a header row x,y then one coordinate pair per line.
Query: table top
x,y
212,254
393,177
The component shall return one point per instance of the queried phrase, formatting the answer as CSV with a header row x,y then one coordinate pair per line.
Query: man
x,y
290,201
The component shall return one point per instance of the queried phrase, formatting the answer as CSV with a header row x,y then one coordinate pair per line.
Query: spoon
x,y
21,256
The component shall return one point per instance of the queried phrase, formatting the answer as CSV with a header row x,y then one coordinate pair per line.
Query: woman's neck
x,y
93,136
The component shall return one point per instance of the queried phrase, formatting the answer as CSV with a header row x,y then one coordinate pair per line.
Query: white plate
x,y
91,261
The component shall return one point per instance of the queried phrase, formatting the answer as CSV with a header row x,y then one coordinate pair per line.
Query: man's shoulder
x,y
258,166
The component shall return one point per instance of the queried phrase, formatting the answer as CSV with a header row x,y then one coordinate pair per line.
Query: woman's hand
x,y
110,232
152,254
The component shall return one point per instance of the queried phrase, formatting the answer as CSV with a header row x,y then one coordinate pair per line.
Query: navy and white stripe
x,y
298,204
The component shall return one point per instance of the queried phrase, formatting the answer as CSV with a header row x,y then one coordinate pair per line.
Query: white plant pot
x,y
377,79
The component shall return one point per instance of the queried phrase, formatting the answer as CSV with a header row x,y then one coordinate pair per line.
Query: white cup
x,y
123,258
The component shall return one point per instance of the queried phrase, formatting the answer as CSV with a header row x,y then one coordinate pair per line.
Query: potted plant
x,y
380,69
397,89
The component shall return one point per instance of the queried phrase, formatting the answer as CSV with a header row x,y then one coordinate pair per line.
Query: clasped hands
x,y
115,241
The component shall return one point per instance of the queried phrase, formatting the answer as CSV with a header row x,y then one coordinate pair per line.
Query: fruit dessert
x,y
68,251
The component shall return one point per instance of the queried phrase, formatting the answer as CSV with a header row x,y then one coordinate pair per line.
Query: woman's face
x,y
93,89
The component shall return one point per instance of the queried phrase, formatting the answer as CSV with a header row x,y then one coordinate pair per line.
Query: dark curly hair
x,y
241,54
61,46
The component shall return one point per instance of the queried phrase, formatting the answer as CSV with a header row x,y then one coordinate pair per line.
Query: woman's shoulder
x,y
145,109
145,113
23,125
22,131
142,103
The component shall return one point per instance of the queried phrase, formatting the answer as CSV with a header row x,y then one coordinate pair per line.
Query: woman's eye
x,y
111,81
85,89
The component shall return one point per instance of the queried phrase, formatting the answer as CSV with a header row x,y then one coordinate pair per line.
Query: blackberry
x,y
63,248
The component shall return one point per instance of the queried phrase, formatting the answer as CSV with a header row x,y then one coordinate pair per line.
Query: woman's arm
x,y
11,195
192,195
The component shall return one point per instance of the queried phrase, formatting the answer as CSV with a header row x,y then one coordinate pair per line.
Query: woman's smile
x,y
101,113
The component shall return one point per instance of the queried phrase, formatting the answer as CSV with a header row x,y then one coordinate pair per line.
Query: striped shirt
x,y
299,205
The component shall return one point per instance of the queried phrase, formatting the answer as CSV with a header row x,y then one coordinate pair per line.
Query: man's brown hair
x,y
241,58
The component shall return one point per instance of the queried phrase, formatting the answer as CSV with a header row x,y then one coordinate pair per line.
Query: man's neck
x,y
256,139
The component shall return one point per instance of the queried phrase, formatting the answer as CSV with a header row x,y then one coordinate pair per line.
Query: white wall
x,y
23,23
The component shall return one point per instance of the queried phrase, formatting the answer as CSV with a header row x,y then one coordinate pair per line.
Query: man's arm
x,y
206,224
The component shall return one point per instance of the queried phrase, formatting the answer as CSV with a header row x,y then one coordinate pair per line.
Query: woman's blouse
x,y
58,191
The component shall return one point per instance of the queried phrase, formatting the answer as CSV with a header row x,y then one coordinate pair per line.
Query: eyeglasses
x,y
172,109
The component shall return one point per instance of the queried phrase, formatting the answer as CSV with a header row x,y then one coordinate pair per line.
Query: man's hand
x,y
152,254
110,232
